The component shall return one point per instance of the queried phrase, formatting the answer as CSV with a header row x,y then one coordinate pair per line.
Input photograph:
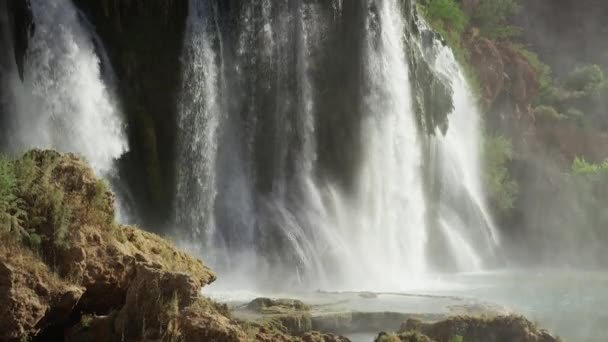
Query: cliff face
x,y
62,254
69,272
144,43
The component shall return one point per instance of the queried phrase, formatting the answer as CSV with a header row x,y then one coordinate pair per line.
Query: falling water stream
x,y
254,186
62,102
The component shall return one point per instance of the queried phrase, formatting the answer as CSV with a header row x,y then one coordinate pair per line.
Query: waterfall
x,y
301,153
463,217
385,219
199,117
62,102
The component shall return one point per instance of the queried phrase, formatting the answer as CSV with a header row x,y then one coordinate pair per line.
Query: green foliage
x,y
548,113
492,18
581,96
545,76
12,215
581,167
457,338
35,209
502,189
447,15
585,78
447,18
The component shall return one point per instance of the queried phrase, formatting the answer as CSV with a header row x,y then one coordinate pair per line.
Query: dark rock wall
x,y
144,40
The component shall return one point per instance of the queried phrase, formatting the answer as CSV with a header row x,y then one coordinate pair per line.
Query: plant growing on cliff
x,y
492,18
12,216
581,167
446,15
502,189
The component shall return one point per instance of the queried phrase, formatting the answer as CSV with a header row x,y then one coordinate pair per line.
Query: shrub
x,y
492,18
585,78
446,15
12,215
545,76
581,167
502,189
548,113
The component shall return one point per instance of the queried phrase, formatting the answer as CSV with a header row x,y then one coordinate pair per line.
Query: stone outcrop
x,y
496,329
76,275
30,295
85,263
509,83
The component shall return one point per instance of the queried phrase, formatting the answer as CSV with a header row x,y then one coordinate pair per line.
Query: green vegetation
x,y
589,182
545,76
581,167
502,189
12,214
580,97
35,206
492,18
446,16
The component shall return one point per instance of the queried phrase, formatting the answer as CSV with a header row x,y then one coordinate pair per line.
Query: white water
x,y
199,117
463,213
62,102
374,236
384,222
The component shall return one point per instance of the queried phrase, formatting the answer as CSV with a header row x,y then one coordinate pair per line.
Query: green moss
x,y
44,196
446,15
583,168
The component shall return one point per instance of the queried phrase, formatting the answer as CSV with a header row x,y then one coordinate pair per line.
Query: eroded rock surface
x,y
496,329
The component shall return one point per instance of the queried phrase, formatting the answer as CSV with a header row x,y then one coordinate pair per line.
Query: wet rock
x,y
497,329
403,337
270,306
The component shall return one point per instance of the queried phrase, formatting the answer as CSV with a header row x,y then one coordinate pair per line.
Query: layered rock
x,y
495,329
68,271
75,259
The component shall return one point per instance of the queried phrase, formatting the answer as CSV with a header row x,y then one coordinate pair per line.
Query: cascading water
x,y
62,102
301,154
200,115
463,216
385,219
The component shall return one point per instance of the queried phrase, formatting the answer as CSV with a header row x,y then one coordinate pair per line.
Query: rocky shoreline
x,y
80,276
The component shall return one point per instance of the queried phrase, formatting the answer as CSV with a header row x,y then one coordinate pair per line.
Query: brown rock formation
x,y
117,282
502,328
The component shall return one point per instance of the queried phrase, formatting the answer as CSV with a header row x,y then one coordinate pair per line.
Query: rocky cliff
x,y
69,272
144,43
